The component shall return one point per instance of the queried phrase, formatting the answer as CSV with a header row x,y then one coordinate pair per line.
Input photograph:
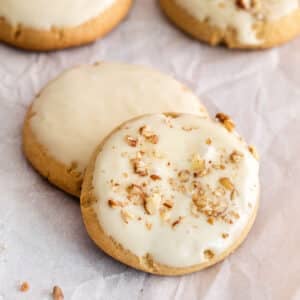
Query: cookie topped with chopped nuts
x,y
171,193
237,23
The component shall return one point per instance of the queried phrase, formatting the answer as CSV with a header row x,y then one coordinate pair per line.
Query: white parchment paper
x,y
42,238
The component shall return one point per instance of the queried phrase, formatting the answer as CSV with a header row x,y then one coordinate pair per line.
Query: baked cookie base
x,y
59,38
116,251
272,34
66,178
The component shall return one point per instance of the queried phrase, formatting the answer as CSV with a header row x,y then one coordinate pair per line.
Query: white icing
x,y
75,111
44,14
225,14
183,245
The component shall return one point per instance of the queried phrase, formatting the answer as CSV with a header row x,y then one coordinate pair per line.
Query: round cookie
x,y
244,24
84,104
36,25
171,194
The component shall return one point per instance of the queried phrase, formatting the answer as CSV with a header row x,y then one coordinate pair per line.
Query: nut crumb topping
x,y
210,220
136,194
134,189
131,141
213,209
113,203
236,156
248,5
226,121
225,235
164,214
199,199
208,254
148,225
24,287
208,141
184,175
148,134
222,117
189,128
198,164
233,194
199,179
219,192
152,204
126,216
155,177
177,222
139,167
225,181
243,4
253,151
168,204
234,214
57,293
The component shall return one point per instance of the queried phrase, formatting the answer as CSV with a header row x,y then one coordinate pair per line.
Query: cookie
x,y
171,194
244,24
67,118
36,25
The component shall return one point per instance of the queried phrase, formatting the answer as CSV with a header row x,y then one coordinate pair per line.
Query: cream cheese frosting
x,y
44,14
75,111
242,15
178,189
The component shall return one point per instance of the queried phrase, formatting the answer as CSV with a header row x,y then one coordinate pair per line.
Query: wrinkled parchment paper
x,y
42,238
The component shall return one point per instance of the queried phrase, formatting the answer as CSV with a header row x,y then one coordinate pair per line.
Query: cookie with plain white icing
x,y
171,194
245,24
40,25
69,116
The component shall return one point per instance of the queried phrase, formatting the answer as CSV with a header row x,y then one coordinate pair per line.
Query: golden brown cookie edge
x,y
273,34
64,177
60,38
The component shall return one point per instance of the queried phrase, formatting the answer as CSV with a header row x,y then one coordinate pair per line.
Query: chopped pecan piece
x,y
253,151
198,164
184,175
199,199
152,204
177,222
242,4
168,204
113,203
248,4
139,167
208,141
210,220
225,181
131,141
225,235
24,287
155,177
148,226
226,121
208,254
126,216
148,134
236,156
57,293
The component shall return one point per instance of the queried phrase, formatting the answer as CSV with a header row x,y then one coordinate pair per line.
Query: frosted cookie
x,y
41,25
171,194
237,23
66,120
